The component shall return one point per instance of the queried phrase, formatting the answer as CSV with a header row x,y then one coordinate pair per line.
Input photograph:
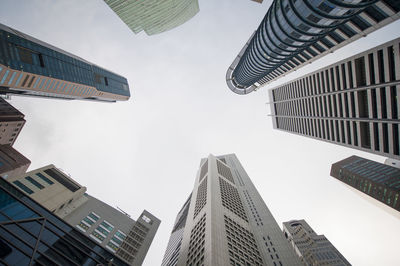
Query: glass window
x,y
94,216
45,179
98,236
102,230
120,235
146,219
23,187
116,240
36,83
4,77
12,78
107,226
19,79
34,182
89,221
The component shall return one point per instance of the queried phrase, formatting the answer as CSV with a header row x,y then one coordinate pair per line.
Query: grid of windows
x,y
204,170
201,198
225,171
231,199
132,242
63,180
253,208
380,181
352,103
295,33
197,242
242,246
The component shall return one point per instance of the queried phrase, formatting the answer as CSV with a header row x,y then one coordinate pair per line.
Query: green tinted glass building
x,y
154,16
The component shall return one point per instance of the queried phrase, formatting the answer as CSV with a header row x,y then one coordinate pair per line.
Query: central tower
x,y
227,222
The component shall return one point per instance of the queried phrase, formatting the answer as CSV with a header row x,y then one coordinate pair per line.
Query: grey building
x,y
227,221
313,249
380,181
11,122
294,33
354,102
175,241
392,162
12,163
112,229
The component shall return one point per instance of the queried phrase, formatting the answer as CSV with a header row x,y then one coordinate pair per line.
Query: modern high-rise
x,y
378,180
154,17
32,67
226,222
11,122
312,249
32,235
12,163
112,229
294,33
354,102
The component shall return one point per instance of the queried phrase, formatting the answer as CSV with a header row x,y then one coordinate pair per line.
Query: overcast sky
x,y
144,153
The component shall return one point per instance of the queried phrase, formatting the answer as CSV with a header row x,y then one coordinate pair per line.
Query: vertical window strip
x,y
4,77
36,83
12,78
19,79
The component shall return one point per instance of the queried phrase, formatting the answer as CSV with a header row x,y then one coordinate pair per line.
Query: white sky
x,y
144,153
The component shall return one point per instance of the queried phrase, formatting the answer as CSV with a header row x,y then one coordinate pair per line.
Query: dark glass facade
x,y
377,180
24,53
29,234
294,32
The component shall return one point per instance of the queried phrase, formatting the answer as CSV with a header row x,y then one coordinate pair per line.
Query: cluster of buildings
x,y
47,218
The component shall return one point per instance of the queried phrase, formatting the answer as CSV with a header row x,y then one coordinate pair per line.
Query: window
x,y
34,182
60,178
88,221
94,216
23,187
107,226
62,206
146,219
45,179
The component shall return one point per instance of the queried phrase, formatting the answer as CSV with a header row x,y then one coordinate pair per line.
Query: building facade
x,y
30,234
11,122
294,33
380,181
154,17
227,222
31,67
354,102
110,228
392,162
313,249
12,163
175,241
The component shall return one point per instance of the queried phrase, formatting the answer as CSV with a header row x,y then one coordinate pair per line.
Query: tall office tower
x,y
354,103
31,235
392,162
31,67
154,16
312,249
11,122
227,222
175,241
112,229
377,180
12,163
294,33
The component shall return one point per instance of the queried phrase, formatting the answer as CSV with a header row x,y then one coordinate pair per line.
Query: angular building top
x,y
312,249
31,67
154,17
294,33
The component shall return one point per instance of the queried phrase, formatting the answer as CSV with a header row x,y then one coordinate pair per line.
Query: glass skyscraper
x,y
378,180
296,32
32,235
31,67
152,16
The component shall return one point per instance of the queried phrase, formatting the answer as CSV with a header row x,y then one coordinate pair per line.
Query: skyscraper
x,y
30,234
226,222
154,16
354,102
380,181
312,249
11,122
294,33
31,67
112,229
12,163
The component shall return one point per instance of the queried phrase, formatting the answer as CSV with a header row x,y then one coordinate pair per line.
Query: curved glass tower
x,y
154,16
294,32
